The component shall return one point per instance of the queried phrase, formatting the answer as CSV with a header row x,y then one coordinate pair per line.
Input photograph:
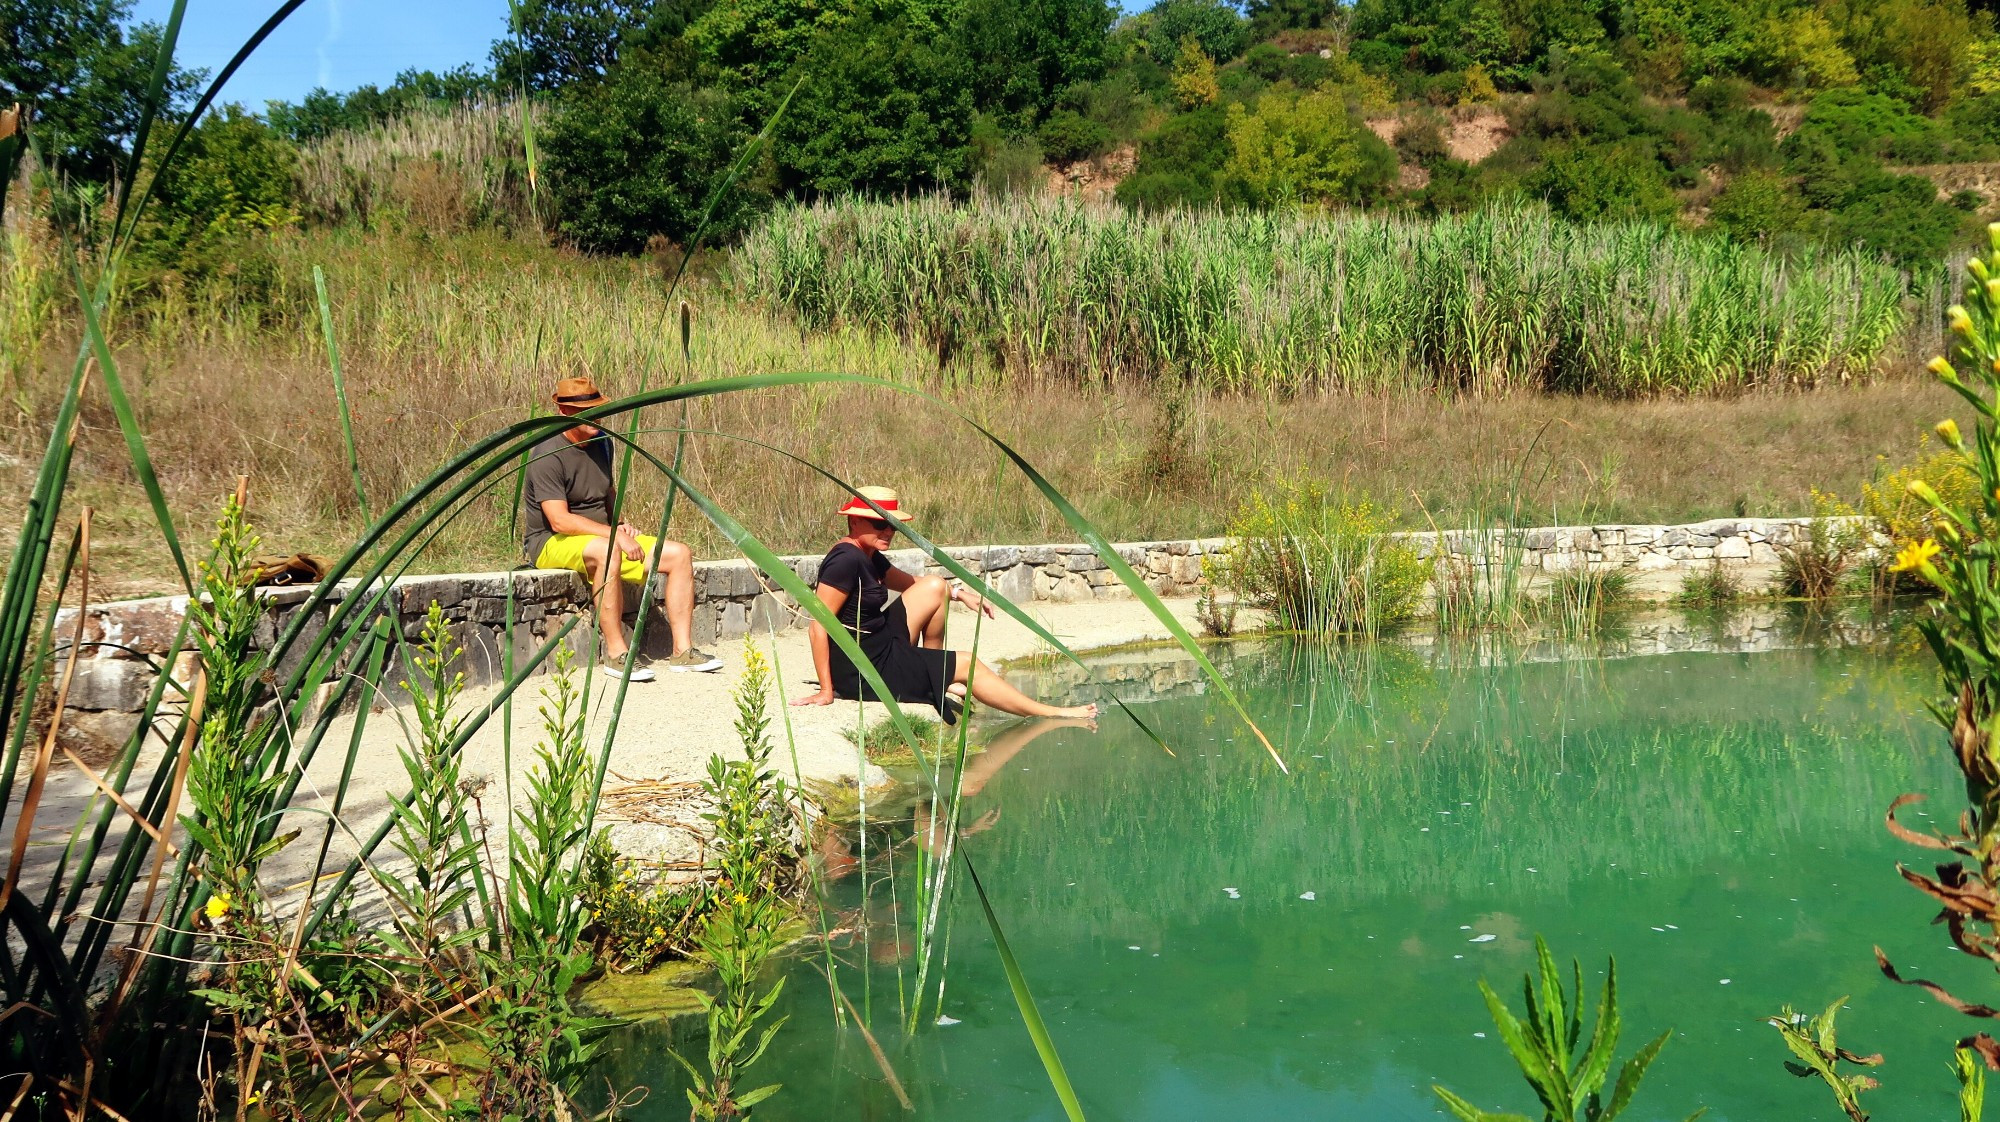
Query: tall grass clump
x,y
1504,299
1321,563
438,169
1818,567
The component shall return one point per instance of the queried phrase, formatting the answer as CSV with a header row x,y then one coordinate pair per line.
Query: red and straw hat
x,y
578,393
884,497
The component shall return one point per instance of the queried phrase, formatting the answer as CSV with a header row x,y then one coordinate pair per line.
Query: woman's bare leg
x,y
924,605
990,689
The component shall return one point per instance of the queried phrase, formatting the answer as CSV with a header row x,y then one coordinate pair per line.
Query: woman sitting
x,y
904,641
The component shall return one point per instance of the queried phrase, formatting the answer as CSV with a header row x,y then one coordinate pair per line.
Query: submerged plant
x,y
1815,1041
1544,1043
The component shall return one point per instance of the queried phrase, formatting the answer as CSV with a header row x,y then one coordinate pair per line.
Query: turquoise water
x,y
1712,820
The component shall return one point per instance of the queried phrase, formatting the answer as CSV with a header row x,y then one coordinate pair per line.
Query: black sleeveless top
x,y
858,574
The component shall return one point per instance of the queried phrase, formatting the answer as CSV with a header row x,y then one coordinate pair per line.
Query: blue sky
x,y
339,44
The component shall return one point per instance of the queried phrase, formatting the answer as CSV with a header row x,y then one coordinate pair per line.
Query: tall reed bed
x,y
440,169
1506,299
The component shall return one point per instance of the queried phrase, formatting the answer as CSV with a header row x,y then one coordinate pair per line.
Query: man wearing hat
x,y
570,495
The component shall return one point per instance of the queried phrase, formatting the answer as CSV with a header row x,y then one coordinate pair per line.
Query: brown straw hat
x,y
884,497
578,393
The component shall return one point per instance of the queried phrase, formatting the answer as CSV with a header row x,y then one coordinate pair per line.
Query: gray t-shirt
x,y
578,474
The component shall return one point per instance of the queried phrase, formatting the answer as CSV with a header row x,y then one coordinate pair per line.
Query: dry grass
x,y
445,341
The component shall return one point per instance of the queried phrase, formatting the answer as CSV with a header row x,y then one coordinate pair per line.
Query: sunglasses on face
x,y
877,525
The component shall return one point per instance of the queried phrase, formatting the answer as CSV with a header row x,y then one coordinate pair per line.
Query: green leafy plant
x,y
754,858
1580,601
637,921
1544,1042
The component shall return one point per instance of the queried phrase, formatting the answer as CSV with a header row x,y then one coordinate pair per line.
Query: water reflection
x,y
1207,935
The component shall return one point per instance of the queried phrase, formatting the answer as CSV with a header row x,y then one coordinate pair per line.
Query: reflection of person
x,y
903,640
569,499
980,770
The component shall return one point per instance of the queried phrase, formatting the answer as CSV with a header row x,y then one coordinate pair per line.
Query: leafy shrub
x,y
1872,124
884,746
1005,165
1214,24
1604,183
1266,61
1293,148
635,156
1320,563
1758,206
1179,162
1068,136
1421,141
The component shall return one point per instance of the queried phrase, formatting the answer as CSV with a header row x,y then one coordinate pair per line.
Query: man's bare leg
x,y
609,595
677,593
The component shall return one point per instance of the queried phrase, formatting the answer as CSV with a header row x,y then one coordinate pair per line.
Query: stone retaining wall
x,y
127,641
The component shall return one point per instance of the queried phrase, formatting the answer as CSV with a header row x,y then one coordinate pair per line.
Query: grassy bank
x,y
444,339
1499,300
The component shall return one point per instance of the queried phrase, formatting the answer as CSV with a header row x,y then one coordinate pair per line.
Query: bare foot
x,y
1084,713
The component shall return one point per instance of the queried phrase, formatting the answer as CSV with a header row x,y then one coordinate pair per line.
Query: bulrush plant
x,y
1819,567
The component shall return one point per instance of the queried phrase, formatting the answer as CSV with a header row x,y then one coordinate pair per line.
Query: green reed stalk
x,y
340,392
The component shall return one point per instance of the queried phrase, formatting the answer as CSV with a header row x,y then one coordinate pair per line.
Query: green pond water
x,y
1712,820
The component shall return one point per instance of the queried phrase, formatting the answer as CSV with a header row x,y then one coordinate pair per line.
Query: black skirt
x,y
914,674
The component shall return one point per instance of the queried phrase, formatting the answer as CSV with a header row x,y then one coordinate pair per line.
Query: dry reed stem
x,y
38,778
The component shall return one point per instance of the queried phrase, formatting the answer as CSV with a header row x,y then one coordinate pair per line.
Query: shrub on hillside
x,y
233,180
1068,136
1215,25
1179,162
636,156
1758,206
1421,141
1604,183
1293,148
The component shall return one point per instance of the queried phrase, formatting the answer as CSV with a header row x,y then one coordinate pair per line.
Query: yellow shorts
x,y
565,551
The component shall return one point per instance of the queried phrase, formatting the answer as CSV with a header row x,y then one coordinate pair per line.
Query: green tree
x,y
1800,50
83,68
1292,149
1025,53
884,107
1216,25
1927,44
1268,17
554,43
638,154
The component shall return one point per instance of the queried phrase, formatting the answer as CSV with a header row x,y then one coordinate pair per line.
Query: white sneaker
x,y
616,672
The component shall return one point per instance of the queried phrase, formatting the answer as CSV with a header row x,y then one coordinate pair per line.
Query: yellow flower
x,y
1947,431
1938,366
1959,320
1916,555
218,905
